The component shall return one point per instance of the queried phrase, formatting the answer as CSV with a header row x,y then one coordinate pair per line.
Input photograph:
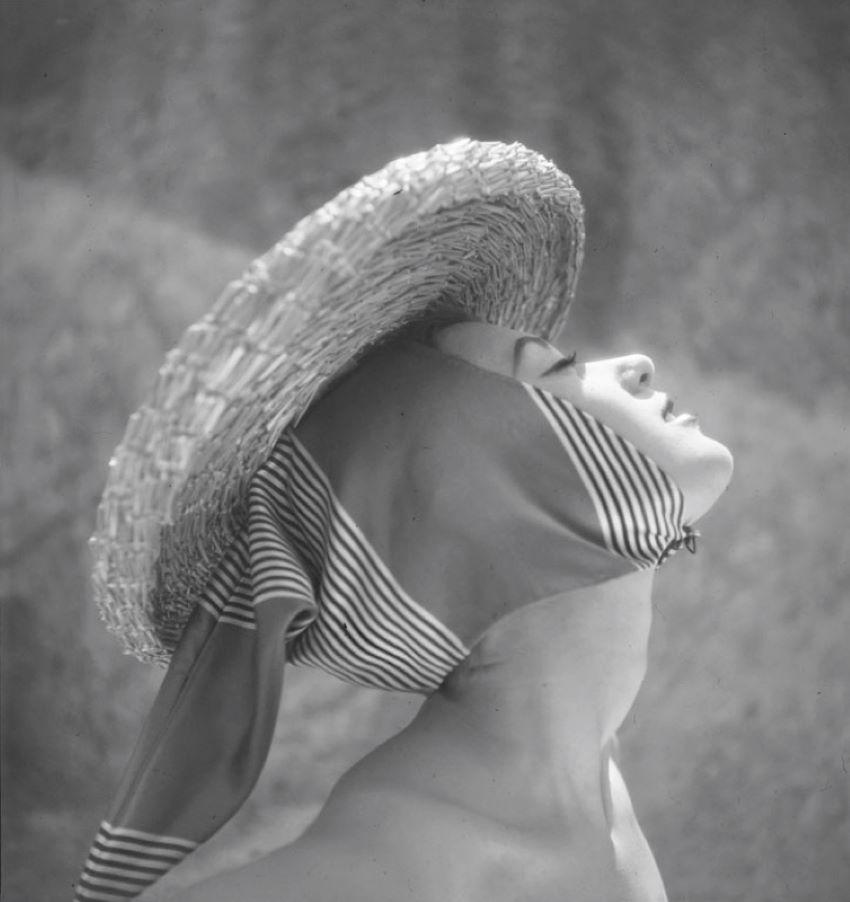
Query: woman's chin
x,y
708,479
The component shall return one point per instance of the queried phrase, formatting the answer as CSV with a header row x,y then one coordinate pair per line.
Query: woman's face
x,y
619,392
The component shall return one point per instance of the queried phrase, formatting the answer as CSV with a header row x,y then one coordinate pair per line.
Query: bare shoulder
x,y
375,846
353,852
315,868
379,839
382,846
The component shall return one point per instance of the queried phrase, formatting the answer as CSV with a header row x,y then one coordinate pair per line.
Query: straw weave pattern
x,y
466,231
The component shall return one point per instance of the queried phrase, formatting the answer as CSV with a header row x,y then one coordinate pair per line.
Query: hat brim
x,y
470,230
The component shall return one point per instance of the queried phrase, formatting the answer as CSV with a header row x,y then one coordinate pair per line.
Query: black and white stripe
x,y
358,623
638,506
227,597
123,862
368,630
260,566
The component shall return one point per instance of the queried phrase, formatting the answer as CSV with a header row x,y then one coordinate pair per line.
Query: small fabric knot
x,y
690,539
687,540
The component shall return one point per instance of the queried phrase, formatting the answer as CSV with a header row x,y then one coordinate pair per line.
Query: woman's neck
x,y
541,695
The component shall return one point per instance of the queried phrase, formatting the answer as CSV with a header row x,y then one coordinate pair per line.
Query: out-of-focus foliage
x,y
150,150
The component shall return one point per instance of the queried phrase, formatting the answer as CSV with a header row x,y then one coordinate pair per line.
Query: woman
x,y
504,786
477,518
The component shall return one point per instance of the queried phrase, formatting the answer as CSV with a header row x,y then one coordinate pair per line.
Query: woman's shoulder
x,y
318,867
332,865
387,845
377,842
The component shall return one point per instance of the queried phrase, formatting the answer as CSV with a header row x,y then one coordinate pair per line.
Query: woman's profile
x,y
458,510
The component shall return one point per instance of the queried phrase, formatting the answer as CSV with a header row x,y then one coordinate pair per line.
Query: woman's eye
x,y
563,364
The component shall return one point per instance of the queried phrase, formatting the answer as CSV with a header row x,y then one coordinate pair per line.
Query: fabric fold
x,y
209,731
419,501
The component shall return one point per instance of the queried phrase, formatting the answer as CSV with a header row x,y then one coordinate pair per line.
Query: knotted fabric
x,y
417,503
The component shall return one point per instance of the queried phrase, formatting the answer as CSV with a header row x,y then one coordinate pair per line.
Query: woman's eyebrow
x,y
520,343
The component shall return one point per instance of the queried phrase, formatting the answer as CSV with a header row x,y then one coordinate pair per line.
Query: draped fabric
x,y
637,505
417,503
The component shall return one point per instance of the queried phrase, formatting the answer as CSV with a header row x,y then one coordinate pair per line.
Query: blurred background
x,y
150,150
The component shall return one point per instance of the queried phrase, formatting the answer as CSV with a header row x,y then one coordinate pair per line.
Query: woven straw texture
x,y
465,231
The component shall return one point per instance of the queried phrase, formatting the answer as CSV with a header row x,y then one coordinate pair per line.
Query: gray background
x,y
149,150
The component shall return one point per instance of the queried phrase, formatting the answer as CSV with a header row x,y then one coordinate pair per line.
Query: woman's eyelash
x,y
563,364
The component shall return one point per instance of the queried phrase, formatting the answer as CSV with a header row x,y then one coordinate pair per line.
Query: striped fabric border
x,y
358,623
368,630
638,506
123,862
228,595
261,566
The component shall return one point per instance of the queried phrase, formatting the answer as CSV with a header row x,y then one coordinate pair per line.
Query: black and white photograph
x,y
425,451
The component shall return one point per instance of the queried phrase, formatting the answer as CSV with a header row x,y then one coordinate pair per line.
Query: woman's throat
x,y
547,687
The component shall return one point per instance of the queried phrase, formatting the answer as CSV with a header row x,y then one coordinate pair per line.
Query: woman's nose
x,y
635,372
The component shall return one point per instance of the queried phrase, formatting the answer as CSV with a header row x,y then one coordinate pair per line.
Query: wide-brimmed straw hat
x,y
470,230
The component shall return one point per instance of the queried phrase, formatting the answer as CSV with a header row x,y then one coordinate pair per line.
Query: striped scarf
x,y
417,503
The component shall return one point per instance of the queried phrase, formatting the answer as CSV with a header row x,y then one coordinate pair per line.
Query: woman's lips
x,y
683,419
